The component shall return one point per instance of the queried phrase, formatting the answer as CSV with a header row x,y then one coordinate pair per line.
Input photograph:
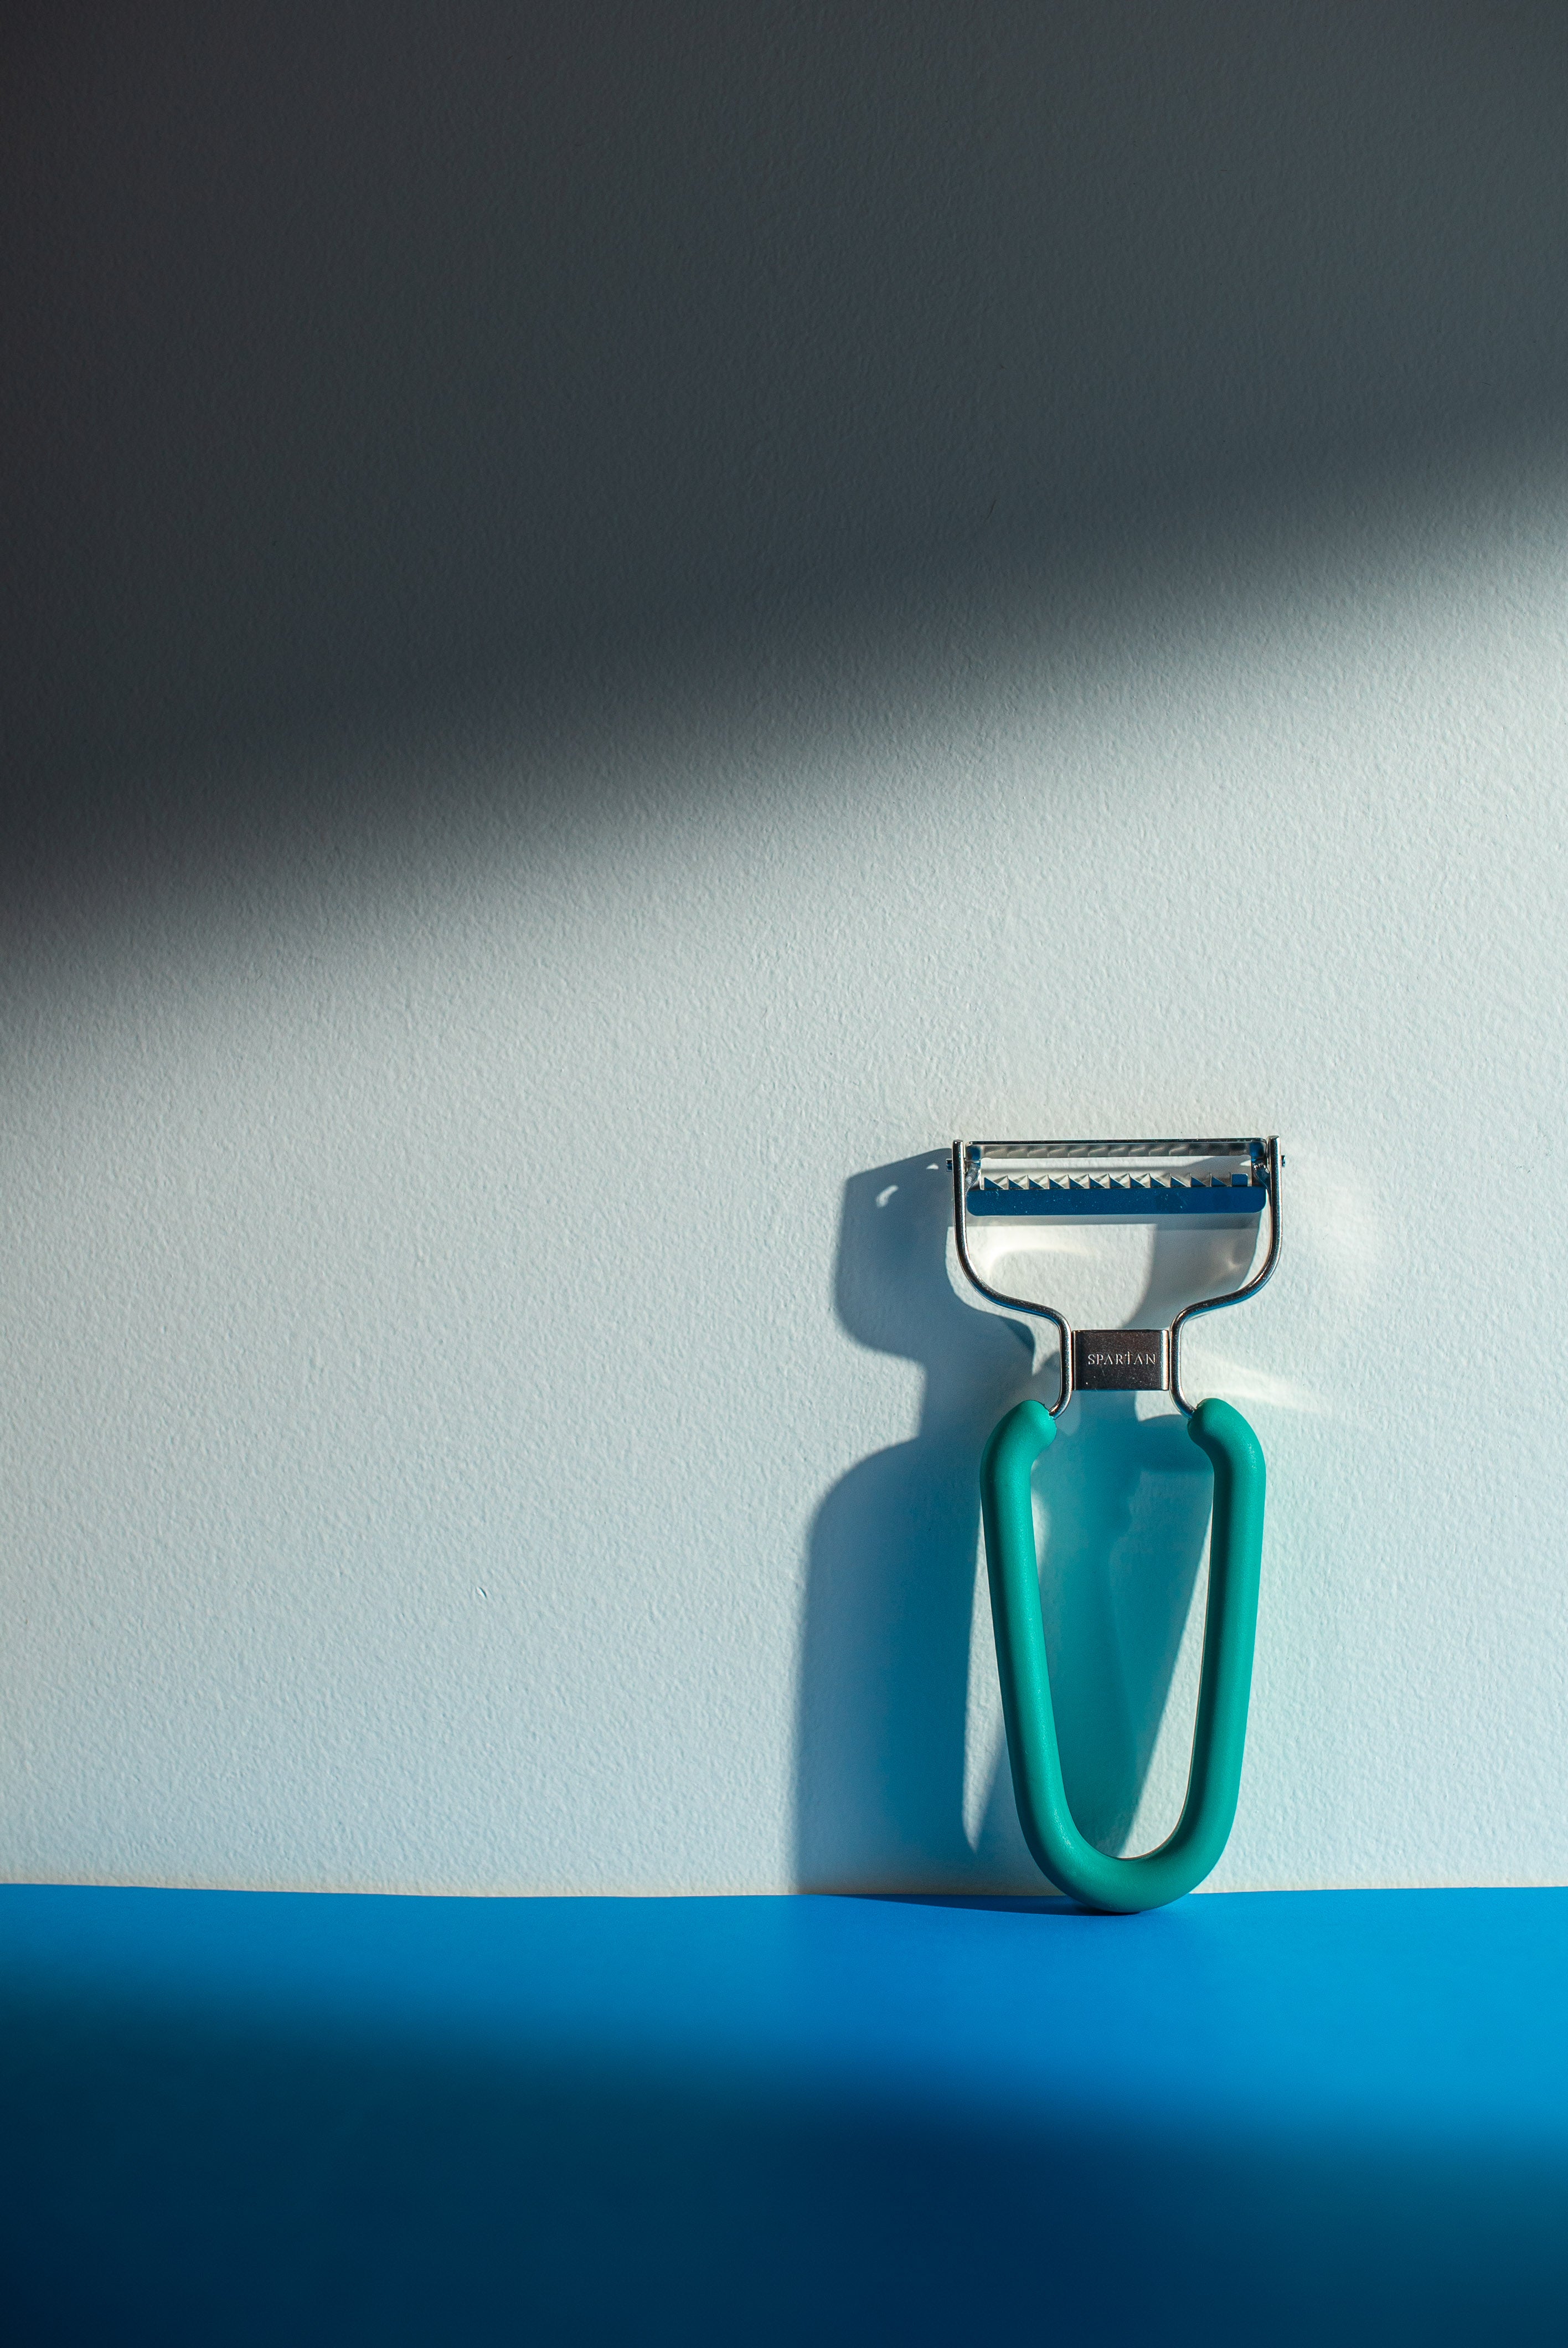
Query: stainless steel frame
x,y
1171,1149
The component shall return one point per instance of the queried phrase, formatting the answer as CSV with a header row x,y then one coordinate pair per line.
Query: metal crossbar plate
x,y
1120,1359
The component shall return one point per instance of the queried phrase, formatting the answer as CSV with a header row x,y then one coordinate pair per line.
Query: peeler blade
x,y
1134,1181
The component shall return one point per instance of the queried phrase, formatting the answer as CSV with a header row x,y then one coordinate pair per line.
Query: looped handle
x,y
1125,1885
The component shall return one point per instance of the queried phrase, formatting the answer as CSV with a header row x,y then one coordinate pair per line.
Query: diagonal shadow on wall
x,y
370,366
884,1697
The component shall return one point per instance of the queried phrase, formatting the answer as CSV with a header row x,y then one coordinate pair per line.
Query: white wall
x,y
485,1403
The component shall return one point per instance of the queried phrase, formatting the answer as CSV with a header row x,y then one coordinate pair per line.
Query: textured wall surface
x,y
620,628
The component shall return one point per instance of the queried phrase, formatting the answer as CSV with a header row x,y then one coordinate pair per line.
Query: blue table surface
x,y
257,2115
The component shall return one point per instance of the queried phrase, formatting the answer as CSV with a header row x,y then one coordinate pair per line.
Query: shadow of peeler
x,y
1104,1183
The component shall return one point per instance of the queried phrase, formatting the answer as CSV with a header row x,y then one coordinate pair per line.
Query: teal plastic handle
x,y
1125,1885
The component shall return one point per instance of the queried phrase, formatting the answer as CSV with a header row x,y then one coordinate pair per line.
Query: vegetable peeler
x,y
1117,1182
